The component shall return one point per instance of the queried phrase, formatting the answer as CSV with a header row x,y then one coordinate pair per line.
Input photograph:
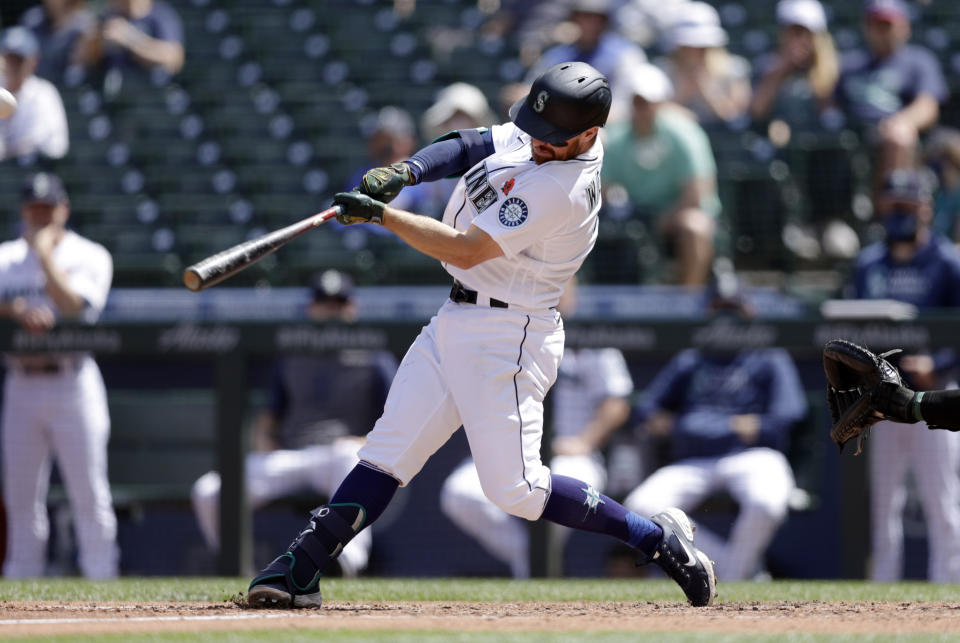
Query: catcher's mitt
x,y
862,389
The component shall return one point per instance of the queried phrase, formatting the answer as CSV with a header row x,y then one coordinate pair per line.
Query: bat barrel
x,y
222,265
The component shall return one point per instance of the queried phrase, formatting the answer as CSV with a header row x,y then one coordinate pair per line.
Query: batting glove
x,y
358,208
385,183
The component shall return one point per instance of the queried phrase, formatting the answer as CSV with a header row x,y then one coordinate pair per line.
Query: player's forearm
x,y
67,302
451,155
433,238
167,54
939,408
922,112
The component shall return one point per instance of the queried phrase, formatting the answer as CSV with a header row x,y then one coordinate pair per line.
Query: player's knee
x,y
450,500
767,509
521,502
206,489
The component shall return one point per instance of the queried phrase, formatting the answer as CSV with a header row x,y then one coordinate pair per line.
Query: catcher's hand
x,y
358,208
385,183
862,389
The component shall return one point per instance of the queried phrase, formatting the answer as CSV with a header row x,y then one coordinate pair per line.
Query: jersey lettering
x,y
593,193
479,190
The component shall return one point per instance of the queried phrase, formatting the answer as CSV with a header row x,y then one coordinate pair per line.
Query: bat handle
x,y
326,215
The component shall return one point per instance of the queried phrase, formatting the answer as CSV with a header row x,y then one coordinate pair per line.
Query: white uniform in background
x,y
933,458
39,126
56,404
485,366
587,377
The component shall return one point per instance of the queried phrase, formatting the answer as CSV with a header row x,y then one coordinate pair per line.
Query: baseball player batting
x,y
518,225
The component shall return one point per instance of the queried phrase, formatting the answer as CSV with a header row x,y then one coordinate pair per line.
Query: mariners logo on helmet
x,y
541,102
513,212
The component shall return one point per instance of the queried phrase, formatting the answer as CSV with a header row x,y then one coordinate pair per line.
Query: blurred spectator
x,y
662,158
916,265
943,158
54,404
58,25
458,106
392,138
596,43
320,407
726,416
508,95
590,402
893,89
134,34
709,80
798,81
39,126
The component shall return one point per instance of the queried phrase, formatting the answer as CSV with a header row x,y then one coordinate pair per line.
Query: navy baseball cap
x,y
19,41
44,187
566,100
332,285
891,10
905,184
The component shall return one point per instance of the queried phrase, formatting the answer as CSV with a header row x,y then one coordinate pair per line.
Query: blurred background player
x,y
663,160
54,404
306,441
913,264
726,416
590,402
39,126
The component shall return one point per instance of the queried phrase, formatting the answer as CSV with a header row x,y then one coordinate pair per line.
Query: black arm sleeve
x,y
451,155
941,409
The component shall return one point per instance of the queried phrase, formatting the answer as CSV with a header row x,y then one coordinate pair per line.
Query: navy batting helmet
x,y
564,101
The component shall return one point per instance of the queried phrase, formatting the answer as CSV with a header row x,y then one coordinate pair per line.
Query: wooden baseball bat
x,y
218,267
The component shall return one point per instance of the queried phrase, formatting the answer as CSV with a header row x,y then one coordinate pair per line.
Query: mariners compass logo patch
x,y
513,212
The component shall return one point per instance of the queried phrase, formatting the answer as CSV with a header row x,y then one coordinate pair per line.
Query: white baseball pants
x,y
277,474
489,370
64,414
759,479
932,457
502,535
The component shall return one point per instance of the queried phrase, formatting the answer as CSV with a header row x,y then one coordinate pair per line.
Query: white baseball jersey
x,y
544,218
87,265
60,411
587,377
488,369
39,126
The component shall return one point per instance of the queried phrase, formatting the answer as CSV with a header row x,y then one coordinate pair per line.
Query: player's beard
x,y
542,152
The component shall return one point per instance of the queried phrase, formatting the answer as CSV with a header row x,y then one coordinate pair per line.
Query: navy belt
x,y
463,295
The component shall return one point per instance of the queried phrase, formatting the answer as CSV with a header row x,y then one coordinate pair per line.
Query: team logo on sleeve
x,y
513,212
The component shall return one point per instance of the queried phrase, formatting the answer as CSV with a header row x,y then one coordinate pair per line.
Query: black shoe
x,y
275,588
683,562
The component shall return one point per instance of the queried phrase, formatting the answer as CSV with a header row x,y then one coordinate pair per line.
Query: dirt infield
x,y
777,617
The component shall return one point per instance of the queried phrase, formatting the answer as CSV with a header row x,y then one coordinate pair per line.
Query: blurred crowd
x,y
688,114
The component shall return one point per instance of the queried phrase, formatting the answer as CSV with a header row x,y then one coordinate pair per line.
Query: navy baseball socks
x,y
292,579
666,539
